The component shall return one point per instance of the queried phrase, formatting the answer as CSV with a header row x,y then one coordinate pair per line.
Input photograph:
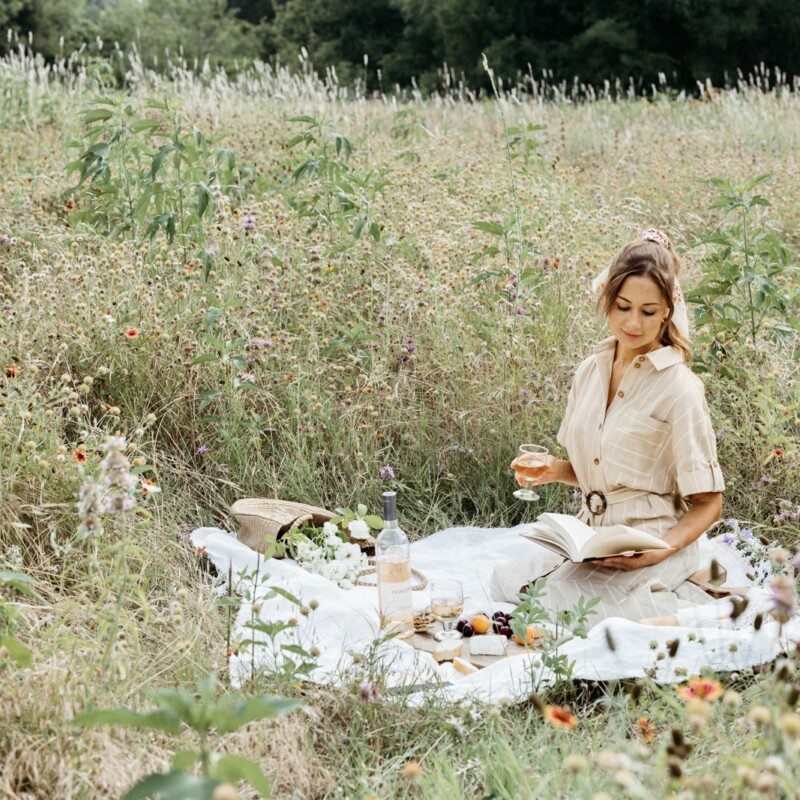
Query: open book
x,y
570,537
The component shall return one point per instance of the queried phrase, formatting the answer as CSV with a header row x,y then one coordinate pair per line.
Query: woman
x,y
641,448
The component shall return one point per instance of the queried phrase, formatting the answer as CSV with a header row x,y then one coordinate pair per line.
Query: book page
x,y
577,541
561,532
619,539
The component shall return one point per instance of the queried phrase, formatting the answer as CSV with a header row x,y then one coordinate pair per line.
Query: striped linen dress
x,y
651,447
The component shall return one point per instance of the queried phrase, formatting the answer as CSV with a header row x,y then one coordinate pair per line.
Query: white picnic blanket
x,y
343,629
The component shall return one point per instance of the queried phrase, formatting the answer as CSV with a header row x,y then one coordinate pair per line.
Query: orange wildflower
x,y
131,333
701,689
560,717
79,456
12,370
645,729
778,452
411,770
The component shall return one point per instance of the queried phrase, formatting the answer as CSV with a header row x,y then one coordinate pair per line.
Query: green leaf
x,y
96,115
173,786
20,654
375,230
297,650
203,199
183,759
374,522
490,227
234,768
156,720
147,124
206,358
254,708
208,397
285,594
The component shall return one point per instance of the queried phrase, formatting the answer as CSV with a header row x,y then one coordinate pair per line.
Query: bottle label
x,y
394,593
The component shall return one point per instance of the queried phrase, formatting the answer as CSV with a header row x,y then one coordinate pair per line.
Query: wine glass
x,y
447,605
535,464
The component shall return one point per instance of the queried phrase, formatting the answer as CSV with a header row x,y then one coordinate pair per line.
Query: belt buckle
x,y
597,507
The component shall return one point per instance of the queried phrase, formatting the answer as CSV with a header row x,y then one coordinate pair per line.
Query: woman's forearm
x,y
704,511
567,473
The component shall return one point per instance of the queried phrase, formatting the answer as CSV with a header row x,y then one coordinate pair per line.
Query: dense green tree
x,y
195,29
339,33
687,40
54,26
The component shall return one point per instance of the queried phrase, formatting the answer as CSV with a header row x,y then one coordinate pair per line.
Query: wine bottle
x,y
393,568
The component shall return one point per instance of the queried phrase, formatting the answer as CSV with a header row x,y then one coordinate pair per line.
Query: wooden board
x,y
425,641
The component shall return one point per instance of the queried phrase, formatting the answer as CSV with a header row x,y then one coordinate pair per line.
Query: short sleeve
x,y
694,445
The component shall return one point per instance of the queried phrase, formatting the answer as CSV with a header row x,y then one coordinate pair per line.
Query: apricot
x,y
481,623
530,634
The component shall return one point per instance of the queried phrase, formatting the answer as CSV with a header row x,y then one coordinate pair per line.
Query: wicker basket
x,y
263,522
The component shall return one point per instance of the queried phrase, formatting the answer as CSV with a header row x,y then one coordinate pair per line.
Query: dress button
x,y
641,358
620,394
636,366
597,461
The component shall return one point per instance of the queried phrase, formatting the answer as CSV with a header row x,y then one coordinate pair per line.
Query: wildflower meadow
x,y
274,286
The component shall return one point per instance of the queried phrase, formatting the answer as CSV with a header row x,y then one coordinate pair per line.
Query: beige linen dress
x,y
651,447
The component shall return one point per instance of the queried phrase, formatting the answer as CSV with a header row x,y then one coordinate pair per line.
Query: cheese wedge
x,y
489,645
447,650
464,666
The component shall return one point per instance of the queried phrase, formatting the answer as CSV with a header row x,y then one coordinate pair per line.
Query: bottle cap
x,y
390,506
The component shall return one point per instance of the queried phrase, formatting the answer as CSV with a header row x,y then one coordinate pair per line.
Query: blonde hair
x,y
661,265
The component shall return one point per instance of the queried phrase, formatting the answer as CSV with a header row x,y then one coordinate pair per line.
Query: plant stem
x,y
747,269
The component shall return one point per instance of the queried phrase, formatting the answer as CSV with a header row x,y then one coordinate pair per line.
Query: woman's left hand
x,y
629,563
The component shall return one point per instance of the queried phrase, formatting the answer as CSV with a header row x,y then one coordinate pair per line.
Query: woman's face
x,y
637,315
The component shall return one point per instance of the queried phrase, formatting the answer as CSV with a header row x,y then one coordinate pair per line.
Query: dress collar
x,y
661,358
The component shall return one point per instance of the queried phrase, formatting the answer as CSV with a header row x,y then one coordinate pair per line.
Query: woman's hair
x,y
661,265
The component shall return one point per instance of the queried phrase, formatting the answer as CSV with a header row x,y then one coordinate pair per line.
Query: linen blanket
x,y
341,626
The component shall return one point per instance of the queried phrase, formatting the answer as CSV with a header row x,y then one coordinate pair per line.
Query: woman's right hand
x,y
556,469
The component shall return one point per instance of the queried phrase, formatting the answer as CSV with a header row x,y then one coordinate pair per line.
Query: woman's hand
x,y
629,563
528,470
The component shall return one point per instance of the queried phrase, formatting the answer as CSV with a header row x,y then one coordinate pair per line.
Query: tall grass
x,y
455,365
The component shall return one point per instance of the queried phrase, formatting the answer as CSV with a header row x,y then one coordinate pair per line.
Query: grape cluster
x,y
501,623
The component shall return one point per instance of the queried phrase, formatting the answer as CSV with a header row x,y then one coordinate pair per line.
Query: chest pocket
x,y
631,445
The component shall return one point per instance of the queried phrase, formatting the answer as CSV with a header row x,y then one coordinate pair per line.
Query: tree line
x,y
388,42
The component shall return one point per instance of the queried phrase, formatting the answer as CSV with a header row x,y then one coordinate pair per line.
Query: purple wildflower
x,y
386,473
525,397
202,450
732,523
746,534
249,223
522,311
257,344
784,600
368,692
766,480
727,539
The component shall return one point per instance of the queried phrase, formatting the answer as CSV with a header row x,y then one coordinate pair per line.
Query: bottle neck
x,y
389,510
